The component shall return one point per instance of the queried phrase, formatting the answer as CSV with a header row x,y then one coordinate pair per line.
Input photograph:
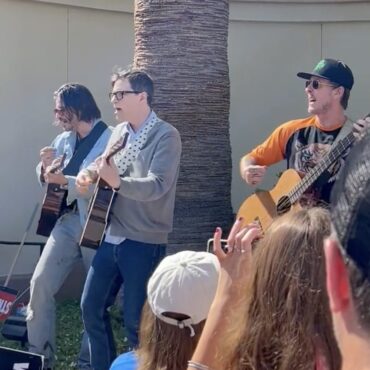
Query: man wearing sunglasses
x,y
83,139
144,176
304,142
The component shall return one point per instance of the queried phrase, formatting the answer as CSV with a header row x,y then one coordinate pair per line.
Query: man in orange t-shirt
x,y
304,142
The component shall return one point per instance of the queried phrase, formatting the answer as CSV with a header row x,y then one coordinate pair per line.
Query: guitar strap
x,y
125,157
83,150
346,129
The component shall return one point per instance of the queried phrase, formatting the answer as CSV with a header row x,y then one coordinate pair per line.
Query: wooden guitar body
x,y
52,204
97,218
52,208
264,206
100,205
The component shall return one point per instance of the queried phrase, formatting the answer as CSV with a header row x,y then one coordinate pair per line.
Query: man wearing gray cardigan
x,y
144,176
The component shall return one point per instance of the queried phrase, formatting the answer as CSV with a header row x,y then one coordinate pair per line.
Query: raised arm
x,y
234,274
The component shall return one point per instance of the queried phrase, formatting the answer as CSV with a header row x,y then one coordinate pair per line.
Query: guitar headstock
x,y
117,146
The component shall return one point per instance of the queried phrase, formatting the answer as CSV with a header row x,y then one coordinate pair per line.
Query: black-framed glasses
x,y
315,84
118,95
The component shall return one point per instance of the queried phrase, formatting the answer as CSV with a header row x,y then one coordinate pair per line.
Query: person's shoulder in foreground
x,y
126,361
347,255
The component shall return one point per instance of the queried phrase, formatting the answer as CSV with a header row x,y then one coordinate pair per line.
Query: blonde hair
x,y
287,317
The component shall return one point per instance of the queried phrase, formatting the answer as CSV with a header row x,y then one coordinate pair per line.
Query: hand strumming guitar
x,y
87,177
47,155
253,174
106,169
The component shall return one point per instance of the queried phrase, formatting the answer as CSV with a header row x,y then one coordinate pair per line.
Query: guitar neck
x,y
121,144
323,165
102,184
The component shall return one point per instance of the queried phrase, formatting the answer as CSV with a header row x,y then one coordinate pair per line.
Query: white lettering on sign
x,y
23,366
5,306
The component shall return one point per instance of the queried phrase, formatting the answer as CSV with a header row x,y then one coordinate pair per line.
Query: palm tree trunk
x,y
183,45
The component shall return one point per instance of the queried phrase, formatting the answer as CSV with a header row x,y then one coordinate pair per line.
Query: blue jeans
x,y
130,263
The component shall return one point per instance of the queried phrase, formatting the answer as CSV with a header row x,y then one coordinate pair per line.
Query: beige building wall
x,y
46,43
43,46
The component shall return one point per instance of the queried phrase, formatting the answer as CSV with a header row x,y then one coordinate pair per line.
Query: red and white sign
x,y
7,297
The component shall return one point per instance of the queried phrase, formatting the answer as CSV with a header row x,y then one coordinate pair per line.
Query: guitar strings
x,y
314,173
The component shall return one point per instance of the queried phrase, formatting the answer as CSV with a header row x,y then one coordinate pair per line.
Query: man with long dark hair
x,y
83,139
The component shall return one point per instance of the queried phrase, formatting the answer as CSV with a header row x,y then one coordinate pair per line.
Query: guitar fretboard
x,y
324,164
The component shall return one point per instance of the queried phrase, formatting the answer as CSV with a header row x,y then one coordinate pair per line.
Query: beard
x,y
64,121
63,124
324,108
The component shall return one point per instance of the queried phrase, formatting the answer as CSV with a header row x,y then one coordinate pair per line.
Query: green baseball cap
x,y
333,70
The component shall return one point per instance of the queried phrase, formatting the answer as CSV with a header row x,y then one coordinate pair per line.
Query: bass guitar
x,y
100,205
263,206
52,204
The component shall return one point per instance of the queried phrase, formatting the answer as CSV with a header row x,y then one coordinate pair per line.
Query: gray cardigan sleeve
x,y
162,172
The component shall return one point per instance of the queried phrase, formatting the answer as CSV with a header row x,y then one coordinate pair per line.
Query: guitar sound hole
x,y
284,205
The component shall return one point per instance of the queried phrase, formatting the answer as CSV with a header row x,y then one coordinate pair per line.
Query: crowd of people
x,y
293,296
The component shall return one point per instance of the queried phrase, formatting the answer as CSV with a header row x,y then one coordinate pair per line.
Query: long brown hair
x,y
164,346
287,321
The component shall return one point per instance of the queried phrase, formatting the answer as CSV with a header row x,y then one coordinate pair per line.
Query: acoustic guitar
x,y
100,205
52,204
264,206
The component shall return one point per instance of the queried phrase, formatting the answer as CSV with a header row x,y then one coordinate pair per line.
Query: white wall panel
x,y
33,62
350,43
98,41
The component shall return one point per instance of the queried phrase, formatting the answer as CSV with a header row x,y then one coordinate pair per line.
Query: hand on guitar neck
x,y
53,173
47,156
107,168
361,127
86,177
